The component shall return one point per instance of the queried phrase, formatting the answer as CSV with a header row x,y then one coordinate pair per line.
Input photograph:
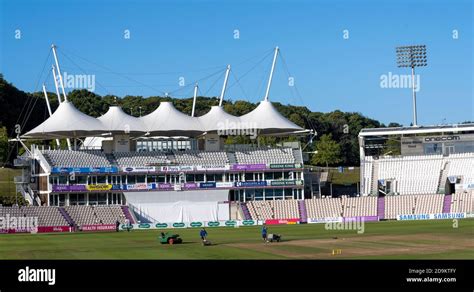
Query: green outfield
x,y
380,240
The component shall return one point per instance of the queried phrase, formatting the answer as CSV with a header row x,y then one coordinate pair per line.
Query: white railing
x,y
139,214
42,160
25,194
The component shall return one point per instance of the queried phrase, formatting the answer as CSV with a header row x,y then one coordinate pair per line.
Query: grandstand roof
x,y
268,120
117,121
67,121
218,119
417,130
166,120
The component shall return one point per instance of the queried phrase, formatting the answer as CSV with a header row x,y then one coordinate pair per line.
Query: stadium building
x,y
175,170
167,166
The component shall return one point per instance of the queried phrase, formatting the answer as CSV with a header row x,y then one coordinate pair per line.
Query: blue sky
x,y
195,39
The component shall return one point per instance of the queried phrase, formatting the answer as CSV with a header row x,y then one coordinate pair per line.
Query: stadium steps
x,y
128,214
303,212
442,178
246,211
381,207
66,216
447,203
375,179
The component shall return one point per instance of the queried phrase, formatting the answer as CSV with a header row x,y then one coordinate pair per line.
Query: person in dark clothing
x,y
264,233
117,226
203,234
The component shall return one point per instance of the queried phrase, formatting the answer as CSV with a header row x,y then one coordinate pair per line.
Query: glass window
x,y
248,176
62,179
92,198
140,178
278,194
102,199
268,194
288,194
82,179
189,177
268,175
249,194
101,179
258,194
62,199
72,199
199,177
433,148
81,199
131,179
277,175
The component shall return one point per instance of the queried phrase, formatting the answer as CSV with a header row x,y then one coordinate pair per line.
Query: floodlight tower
x,y
412,56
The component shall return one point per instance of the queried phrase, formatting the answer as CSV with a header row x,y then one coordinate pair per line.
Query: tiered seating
x,y
429,204
90,215
47,215
322,208
414,174
462,202
285,209
359,206
260,210
265,155
399,205
278,209
14,211
109,214
137,159
192,157
71,158
462,164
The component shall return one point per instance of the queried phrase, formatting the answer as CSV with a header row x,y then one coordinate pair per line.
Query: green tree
x,y
3,145
329,151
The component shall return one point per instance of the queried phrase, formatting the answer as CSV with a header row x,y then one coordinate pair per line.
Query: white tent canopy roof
x,y
268,120
67,121
218,119
116,121
166,120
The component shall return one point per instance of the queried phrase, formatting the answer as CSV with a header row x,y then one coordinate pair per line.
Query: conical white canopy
x,y
115,120
67,121
268,120
166,120
218,119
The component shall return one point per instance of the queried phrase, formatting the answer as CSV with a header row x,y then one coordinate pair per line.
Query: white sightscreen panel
x,y
176,196
180,206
